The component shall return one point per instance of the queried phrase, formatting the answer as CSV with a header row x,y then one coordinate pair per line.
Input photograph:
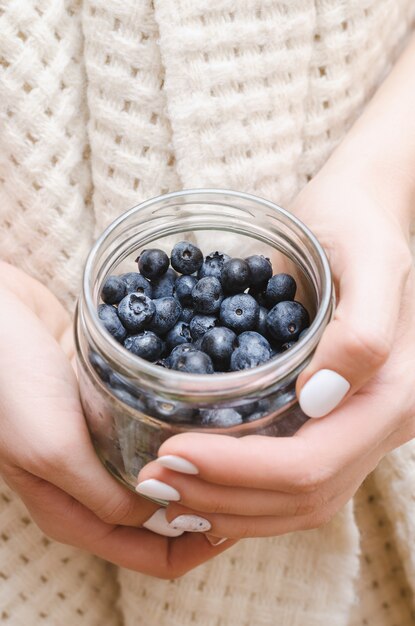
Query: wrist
x,y
358,169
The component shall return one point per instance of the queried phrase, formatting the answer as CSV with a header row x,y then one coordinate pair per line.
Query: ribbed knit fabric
x,y
106,103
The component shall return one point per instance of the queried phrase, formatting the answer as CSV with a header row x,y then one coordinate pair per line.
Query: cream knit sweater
x,y
104,103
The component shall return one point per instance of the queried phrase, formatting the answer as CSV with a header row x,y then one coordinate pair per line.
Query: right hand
x,y
46,455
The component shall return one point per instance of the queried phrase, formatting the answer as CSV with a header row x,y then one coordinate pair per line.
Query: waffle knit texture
x,y
105,103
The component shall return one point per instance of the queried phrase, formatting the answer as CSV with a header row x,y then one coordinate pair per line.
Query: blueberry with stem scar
x,y
286,320
186,258
239,312
136,312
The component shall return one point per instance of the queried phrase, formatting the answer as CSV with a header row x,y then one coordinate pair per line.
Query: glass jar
x,y
132,406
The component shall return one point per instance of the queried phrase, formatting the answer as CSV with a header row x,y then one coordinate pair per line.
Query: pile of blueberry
x,y
203,315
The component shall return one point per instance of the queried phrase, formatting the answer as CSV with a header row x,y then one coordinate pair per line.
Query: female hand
x,y
362,374
46,455
260,486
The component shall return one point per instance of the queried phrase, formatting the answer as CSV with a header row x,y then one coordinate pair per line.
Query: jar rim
x,y
221,386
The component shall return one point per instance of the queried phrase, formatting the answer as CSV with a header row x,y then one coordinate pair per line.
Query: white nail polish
x,y
191,524
158,523
177,464
153,488
322,393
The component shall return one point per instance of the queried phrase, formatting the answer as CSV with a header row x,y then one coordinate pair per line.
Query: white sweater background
x,y
106,103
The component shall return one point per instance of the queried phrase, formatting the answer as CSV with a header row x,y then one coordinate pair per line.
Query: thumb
x,y
358,340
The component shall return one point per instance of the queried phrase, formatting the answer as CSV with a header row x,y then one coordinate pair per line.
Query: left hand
x,y
263,486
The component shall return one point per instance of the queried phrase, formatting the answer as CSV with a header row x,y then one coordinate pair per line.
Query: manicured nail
x,y
322,393
215,541
177,464
191,524
153,488
158,523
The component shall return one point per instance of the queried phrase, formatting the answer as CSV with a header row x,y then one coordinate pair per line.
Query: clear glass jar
x,y
131,405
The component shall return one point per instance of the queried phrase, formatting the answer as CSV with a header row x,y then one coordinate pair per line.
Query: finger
x,y
359,339
63,519
77,470
299,464
57,446
208,497
242,527
238,527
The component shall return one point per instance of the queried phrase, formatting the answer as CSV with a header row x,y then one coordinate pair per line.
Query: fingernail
x,y
215,541
158,523
153,488
191,524
322,393
177,464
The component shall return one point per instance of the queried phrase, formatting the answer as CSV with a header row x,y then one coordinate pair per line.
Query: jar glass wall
x,y
131,405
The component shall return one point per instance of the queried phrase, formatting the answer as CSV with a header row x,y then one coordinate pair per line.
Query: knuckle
x,y
49,457
116,511
313,480
220,508
371,347
304,506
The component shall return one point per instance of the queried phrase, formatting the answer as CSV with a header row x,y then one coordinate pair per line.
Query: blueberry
x,y
186,258
213,265
180,333
168,410
187,315
251,338
220,418
200,324
247,409
239,312
128,398
168,311
261,326
235,276
136,283
178,351
193,362
147,345
207,295
261,270
136,312
286,320
183,289
280,288
126,391
219,343
255,410
109,318
113,290
100,366
164,287
249,356
153,263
